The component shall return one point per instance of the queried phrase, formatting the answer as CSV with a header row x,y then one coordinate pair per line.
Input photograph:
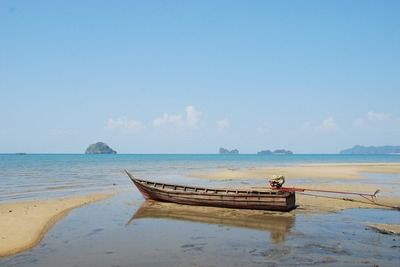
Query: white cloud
x,y
124,125
378,116
372,119
166,119
189,120
223,125
327,126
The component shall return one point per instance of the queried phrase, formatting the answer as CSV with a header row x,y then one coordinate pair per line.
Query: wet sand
x,y
104,234
313,202
23,224
344,177
309,171
386,228
116,232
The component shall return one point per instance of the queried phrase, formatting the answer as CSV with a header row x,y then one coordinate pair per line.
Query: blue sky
x,y
191,76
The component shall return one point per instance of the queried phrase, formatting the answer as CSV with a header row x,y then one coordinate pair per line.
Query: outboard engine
x,y
276,181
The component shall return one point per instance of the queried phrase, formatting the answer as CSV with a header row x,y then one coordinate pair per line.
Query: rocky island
x,y
372,150
227,151
100,148
275,152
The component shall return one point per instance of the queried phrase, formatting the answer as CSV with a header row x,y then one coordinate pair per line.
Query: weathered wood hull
x,y
226,198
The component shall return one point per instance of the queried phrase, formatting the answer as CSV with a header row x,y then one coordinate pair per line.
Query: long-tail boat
x,y
216,197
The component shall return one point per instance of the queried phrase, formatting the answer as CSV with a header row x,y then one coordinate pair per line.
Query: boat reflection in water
x,y
277,223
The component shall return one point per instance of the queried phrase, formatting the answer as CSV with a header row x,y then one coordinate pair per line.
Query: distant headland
x,y
227,151
372,150
100,148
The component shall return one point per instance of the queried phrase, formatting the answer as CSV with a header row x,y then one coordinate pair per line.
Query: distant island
x,y
372,150
275,152
100,148
227,151
223,150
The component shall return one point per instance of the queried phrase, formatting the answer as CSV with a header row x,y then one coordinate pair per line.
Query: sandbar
x,y
346,177
306,171
313,202
385,228
24,224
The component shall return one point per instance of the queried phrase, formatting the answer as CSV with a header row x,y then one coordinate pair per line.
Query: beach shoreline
x,y
345,177
308,171
25,223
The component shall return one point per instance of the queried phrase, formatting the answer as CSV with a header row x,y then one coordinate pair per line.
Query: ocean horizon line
x,y
218,154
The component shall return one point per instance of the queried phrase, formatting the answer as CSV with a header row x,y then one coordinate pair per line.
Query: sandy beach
x,y
344,177
23,224
326,177
305,171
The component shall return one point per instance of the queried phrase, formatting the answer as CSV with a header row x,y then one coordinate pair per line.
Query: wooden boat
x,y
225,198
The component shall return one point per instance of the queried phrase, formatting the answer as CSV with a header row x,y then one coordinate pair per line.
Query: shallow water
x,y
122,232
35,176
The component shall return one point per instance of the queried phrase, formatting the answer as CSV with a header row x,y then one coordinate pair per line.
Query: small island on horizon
x,y
223,151
100,148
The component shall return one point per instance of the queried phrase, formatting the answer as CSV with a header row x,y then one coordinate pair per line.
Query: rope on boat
x,y
277,182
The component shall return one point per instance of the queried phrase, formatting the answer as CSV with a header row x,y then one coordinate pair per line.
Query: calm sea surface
x,y
126,231
46,175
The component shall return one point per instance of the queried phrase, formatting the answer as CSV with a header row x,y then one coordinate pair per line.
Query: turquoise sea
x,y
46,175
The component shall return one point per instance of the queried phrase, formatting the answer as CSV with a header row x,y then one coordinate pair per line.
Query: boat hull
x,y
226,198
